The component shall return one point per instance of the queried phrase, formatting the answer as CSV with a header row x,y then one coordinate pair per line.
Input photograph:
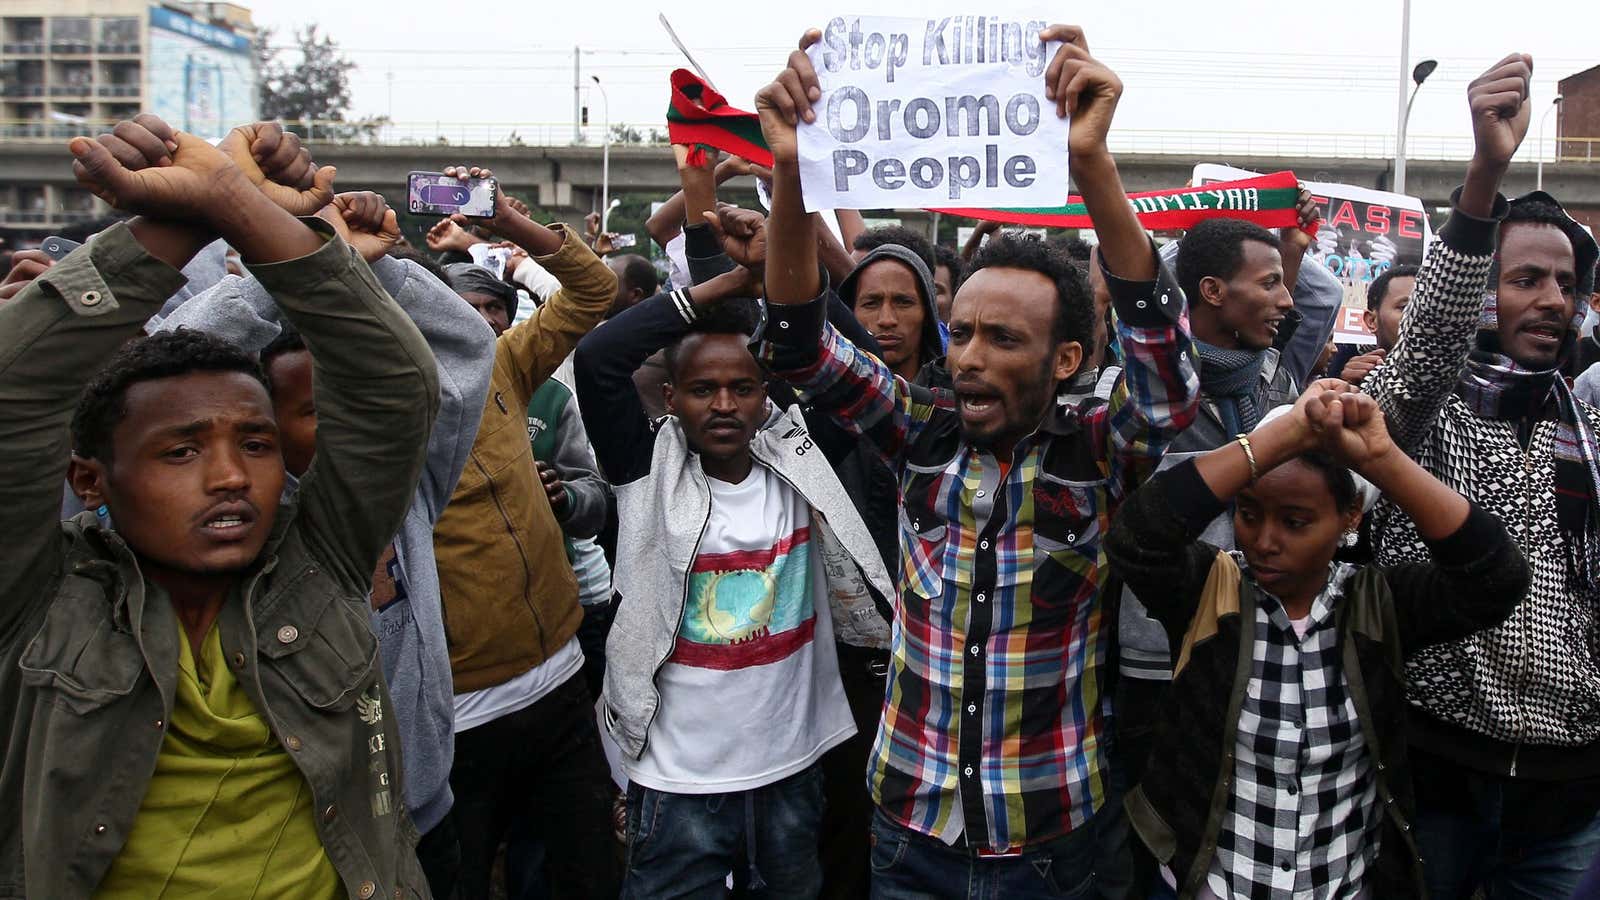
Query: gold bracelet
x,y
1249,454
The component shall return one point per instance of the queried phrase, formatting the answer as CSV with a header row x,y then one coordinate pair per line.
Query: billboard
x,y
200,78
1363,233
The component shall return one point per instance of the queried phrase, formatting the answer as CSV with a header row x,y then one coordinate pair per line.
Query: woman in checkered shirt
x,y
1279,766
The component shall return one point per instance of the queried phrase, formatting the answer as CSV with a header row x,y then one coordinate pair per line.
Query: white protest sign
x,y
939,112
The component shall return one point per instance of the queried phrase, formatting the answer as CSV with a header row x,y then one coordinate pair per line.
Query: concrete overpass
x,y
566,180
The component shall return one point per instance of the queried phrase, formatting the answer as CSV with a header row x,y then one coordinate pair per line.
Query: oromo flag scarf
x,y
701,118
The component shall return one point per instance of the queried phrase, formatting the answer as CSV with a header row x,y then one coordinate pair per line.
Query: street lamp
x,y
605,216
1538,180
1418,75
605,156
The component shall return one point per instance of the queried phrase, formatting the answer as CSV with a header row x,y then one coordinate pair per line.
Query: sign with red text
x,y
1364,232
939,112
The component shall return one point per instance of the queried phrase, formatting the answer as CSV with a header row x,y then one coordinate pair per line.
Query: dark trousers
x,y
439,854
907,865
545,760
1476,835
685,845
847,820
1136,705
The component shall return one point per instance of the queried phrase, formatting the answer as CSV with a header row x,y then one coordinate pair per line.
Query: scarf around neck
x,y
1232,380
1495,386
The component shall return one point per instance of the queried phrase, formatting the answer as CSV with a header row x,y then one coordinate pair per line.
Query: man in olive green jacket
x,y
193,696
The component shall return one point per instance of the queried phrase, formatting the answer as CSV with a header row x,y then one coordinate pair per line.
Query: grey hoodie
x,y
410,630
933,339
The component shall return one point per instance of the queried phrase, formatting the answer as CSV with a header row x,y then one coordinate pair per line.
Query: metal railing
x,y
13,217
1221,145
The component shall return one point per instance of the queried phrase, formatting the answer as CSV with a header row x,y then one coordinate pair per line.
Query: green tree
x,y
310,90
626,134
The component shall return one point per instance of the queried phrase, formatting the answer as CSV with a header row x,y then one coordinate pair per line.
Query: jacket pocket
x,y
1150,826
78,654
1066,538
320,641
923,536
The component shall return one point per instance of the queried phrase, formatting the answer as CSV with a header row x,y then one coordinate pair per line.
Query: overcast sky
x,y
1192,69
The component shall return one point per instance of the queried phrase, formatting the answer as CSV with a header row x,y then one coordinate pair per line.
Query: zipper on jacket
x,y
1522,648
802,495
683,603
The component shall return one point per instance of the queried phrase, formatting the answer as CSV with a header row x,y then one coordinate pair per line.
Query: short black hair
x,y
638,273
1214,248
1340,482
872,239
950,259
1076,248
287,341
1378,290
1538,211
409,253
166,354
741,316
1540,208
1074,319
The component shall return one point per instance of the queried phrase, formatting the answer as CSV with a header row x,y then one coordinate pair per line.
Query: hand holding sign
x,y
1083,88
784,103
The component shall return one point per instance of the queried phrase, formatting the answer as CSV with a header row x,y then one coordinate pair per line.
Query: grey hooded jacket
x,y
932,372
410,629
664,502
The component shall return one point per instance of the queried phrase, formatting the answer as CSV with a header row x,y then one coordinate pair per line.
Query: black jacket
x,y
1476,579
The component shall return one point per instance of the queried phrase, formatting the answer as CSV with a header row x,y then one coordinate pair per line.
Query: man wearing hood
x,y
891,291
1504,728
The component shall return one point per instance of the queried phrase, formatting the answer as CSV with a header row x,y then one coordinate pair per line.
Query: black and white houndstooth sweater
x,y
1529,687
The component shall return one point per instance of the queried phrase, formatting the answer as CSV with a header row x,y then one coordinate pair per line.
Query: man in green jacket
x,y
194,698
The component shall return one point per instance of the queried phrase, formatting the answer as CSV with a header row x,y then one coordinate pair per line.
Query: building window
x,y
70,34
120,35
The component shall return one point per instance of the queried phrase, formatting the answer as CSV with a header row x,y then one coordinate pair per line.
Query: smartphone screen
x,y
57,248
622,241
434,192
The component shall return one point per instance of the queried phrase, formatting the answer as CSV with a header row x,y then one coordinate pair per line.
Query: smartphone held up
x,y
439,194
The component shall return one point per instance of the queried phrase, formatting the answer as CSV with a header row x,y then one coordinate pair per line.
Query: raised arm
x,y
1158,393
463,349
667,222
1438,326
1154,544
1475,576
619,430
54,335
535,348
852,386
58,331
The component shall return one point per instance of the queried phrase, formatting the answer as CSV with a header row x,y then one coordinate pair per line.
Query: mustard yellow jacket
x,y
510,598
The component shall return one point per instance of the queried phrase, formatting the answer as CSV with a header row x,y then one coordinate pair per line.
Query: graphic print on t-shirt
x,y
748,607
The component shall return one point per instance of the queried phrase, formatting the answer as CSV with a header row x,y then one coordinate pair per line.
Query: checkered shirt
x,y
1303,818
994,723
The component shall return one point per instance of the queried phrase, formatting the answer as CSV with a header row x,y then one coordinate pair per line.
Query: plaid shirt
x,y
1302,817
994,725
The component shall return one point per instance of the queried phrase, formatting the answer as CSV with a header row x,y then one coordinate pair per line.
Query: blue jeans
x,y
1464,852
685,845
907,865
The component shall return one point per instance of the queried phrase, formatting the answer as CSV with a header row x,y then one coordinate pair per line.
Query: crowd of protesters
x,y
337,567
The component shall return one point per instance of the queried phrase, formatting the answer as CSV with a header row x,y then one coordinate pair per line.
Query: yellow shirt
x,y
227,814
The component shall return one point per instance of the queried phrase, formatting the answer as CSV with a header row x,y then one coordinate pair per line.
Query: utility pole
x,y
1400,99
578,103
